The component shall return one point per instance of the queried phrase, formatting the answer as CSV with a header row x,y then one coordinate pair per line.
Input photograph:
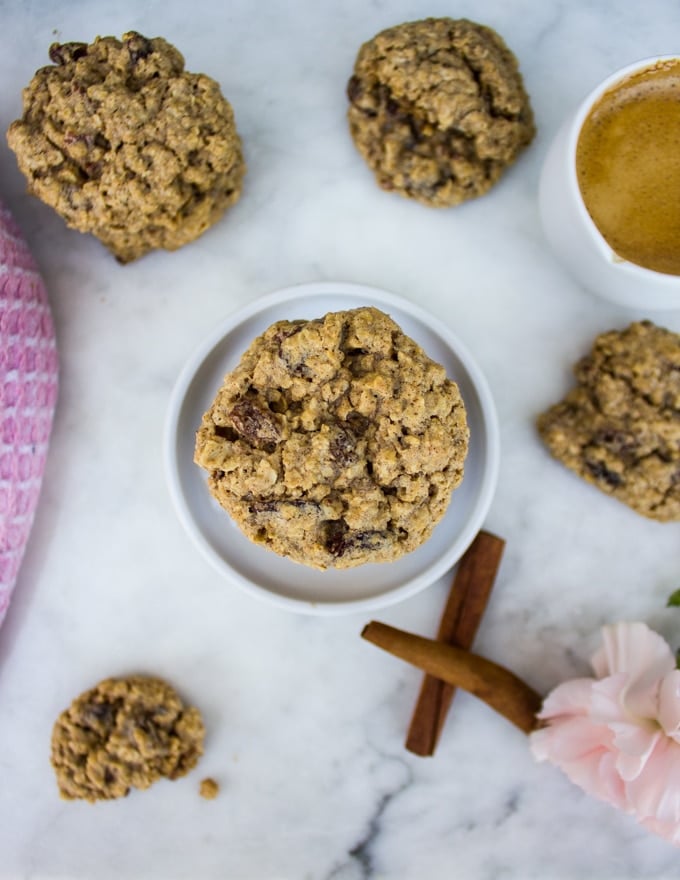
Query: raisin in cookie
x,y
620,427
125,732
438,109
124,143
335,441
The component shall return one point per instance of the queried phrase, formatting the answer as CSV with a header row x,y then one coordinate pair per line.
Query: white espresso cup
x,y
571,232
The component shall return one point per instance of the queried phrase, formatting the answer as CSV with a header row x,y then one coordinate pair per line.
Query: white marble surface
x,y
305,720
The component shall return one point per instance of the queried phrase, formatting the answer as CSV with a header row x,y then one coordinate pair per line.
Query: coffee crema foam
x,y
628,167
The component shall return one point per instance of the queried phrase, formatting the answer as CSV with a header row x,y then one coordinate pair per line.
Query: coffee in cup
x,y
609,193
628,166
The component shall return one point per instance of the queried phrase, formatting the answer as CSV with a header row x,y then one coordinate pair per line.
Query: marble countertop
x,y
306,721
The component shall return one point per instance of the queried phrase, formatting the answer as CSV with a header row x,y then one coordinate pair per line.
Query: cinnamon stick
x,y
460,621
499,688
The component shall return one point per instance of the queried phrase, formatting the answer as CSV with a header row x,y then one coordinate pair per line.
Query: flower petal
x,y
582,751
655,793
570,698
605,700
669,704
669,830
635,746
631,647
569,739
646,657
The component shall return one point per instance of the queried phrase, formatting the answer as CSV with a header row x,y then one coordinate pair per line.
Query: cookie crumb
x,y
209,789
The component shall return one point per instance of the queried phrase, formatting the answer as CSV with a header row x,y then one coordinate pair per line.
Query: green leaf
x,y
674,600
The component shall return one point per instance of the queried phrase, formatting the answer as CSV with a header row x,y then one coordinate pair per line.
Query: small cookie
x,y
438,109
125,732
619,428
335,441
122,142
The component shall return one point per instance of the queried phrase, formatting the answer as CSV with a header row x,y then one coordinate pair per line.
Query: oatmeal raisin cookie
x,y
619,428
336,441
124,733
125,144
438,109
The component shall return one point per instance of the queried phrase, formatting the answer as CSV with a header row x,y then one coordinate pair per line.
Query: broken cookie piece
x,y
336,441
619,428
125,144
438,109
124,733
209,789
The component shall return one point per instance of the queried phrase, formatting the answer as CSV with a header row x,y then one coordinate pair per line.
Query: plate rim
x,y
373,295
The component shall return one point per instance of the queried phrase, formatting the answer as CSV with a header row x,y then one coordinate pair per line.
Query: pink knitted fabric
x,y
28,393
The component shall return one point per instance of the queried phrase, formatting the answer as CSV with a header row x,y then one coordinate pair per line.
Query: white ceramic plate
x,y
261,572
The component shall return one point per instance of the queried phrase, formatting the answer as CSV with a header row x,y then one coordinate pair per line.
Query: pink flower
x,y
618,735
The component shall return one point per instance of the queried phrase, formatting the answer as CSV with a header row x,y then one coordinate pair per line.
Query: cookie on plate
x,y
619,428
438,109
125,144
124,733
336,441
